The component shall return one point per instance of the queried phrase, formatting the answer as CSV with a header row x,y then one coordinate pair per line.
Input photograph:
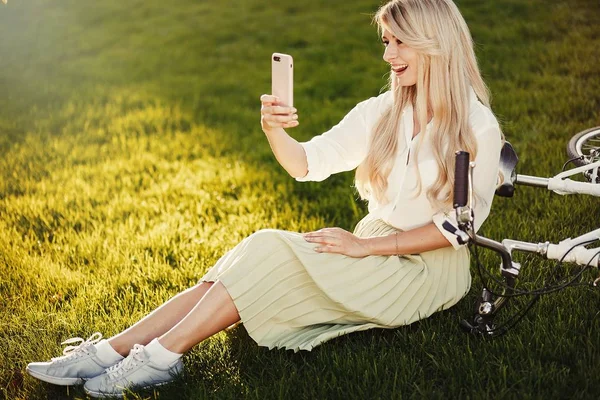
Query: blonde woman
x,y
296,291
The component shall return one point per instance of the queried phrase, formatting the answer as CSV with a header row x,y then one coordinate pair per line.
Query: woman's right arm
x,y
288,152
341,148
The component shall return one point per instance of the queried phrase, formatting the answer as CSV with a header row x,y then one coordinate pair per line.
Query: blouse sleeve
x,y
485,179
343,147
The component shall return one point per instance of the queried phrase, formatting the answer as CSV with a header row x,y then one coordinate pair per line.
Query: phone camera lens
x,y
276,58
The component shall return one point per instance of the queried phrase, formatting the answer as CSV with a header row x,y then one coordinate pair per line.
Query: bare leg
x,y
160,320
213,313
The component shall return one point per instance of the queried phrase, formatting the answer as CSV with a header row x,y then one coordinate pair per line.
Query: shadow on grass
x,y
232,365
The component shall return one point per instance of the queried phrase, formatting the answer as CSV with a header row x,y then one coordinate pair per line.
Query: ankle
x,y
107,353
160,354
122,349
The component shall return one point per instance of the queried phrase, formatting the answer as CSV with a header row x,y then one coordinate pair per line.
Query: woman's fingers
x,y
330,239
275,124
280,118
273,111
275,121
337,231
325,240
328,248
268,98
274,115
290,124
278,110
337,240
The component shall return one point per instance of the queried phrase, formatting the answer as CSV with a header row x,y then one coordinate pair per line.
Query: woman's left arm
x,y
414,241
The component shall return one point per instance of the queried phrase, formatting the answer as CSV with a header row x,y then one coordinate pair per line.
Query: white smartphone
x,y
282,78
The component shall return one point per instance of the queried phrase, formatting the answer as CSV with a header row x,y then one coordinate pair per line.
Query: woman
x,y
296,291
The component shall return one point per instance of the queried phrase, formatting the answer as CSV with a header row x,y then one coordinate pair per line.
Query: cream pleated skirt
x,y
289,296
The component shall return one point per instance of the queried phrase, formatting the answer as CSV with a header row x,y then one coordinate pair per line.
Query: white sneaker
x,y
77,363
136,371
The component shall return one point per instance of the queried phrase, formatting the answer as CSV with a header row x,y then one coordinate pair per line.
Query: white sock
x,y
160,355
106,353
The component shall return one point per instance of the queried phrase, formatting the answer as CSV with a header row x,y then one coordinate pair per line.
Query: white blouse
x,y
345,146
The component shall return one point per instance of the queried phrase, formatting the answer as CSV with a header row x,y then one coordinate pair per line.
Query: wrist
x,y
272,131
369,245
382,245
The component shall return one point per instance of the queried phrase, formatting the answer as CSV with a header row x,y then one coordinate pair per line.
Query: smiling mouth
x,y
398,69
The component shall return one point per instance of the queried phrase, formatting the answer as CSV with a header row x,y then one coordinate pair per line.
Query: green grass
x,y
132,159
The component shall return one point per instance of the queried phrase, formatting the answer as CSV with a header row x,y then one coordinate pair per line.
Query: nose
x,y
390,53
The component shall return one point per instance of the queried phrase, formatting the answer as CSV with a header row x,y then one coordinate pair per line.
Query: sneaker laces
x,y
136,356
71,352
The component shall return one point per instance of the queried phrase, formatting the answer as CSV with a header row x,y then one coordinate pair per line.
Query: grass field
x,y
132,159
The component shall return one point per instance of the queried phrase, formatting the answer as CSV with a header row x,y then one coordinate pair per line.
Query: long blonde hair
x,y
446,71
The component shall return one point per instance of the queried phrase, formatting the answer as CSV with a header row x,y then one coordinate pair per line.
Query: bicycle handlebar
x,y
461,179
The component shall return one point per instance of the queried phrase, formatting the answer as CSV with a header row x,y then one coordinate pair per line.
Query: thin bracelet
x,y
397,252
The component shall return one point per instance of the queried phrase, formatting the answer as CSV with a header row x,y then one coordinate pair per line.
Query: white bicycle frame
x,y
562,185
568,250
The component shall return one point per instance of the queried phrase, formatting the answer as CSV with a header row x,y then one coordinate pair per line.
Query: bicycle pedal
x,y
467,327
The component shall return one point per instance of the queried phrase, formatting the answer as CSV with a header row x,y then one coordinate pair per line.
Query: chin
x,y
405,82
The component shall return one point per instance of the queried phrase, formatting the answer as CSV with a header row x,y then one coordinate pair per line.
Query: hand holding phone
x,y
275,116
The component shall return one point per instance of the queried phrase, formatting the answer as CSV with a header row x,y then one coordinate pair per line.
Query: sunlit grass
x,y
132,159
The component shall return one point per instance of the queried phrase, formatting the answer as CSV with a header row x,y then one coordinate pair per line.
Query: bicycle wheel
x,y
584,147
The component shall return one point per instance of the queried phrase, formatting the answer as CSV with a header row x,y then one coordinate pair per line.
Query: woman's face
x,y
402,59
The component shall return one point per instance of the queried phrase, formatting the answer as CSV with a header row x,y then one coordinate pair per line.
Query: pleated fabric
x,y
289,296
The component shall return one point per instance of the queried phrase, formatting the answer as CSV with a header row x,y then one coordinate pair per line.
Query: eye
x,y
398,41
385,43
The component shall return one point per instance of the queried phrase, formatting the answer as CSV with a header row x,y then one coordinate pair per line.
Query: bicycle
x,y
584,151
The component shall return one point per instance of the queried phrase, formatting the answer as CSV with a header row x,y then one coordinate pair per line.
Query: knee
x,y
264,235
264,238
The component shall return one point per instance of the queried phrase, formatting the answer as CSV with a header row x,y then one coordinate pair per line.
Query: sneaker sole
x,y
103,395
55,380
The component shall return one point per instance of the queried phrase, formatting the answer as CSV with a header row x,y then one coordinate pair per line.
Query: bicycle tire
x,y
581,144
